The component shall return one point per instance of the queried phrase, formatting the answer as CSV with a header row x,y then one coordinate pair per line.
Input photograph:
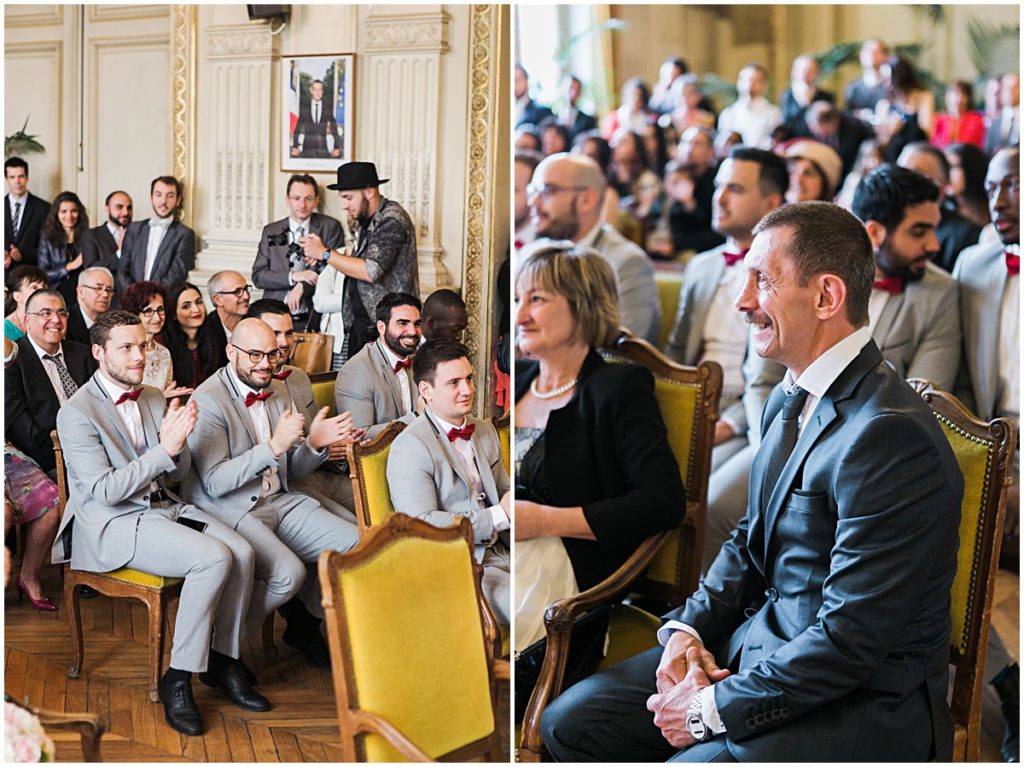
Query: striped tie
x,y
70,387
16,219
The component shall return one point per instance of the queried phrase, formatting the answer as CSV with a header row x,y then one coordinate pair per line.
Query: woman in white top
x,y
327,300
148,300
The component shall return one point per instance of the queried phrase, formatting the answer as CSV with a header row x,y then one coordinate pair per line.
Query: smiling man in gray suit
x,y
821,631
447,465
161,249
248,451
124,443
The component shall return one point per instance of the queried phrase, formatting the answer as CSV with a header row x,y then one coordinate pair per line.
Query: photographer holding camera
x,y
279,267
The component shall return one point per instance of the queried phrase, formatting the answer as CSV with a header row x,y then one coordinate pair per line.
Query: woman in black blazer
x,y
595,475
60,246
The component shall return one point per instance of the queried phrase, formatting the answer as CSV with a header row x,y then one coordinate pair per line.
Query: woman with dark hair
x,y
600,151
554,137
959,124
907,112
656,148
967,168
194,354
149,300
634,114
22,282
60,244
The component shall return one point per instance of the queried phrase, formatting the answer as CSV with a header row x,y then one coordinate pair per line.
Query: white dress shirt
x,y
724,335
298,230
402,376
130,415
264,430
754,119
157,230
114,231
51,369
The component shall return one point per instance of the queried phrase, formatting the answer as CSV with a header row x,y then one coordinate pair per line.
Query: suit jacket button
x,y
772,594
751,724
254,499
145,497
784,711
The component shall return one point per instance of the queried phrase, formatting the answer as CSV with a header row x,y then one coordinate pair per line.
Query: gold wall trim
x,y
39,15
184,23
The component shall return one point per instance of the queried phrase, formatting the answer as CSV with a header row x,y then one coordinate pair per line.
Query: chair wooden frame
x,y
560,615
90,727
354,721
969,679
355,454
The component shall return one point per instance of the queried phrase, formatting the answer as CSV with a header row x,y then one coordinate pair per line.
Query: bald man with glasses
x,y
230,294
95,294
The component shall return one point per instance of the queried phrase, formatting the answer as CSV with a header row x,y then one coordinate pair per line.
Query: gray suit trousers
x,y
727,499
496,581
217,566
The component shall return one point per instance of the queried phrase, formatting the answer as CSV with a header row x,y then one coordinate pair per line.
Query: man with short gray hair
x,y
95,293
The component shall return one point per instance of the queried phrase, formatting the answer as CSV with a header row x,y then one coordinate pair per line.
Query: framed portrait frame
x,y
317,136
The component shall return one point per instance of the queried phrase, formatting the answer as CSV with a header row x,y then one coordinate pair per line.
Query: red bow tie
x,y
519,244
282,375
251,399
129,395
464,433
893,285
406,363
732,258
1012,263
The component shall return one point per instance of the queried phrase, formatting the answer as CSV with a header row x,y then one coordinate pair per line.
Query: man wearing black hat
x,y
383,258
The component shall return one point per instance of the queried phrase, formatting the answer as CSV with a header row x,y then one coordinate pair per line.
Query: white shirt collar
x,y
446,426
293,224
113,229
389,355
823,372
40,351
243,388
14,199
114,389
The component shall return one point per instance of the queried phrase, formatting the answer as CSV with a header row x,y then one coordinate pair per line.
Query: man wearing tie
x,y
24,214
316,134
101,245
448,464
123,444
161,249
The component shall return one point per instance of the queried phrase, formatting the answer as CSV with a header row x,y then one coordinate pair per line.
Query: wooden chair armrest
x,y
90,726
377,725
501,670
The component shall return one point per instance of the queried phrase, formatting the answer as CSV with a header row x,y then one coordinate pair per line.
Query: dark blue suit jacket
x,y
831,605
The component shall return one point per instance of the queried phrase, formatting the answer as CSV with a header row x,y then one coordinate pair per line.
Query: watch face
x,y
696,727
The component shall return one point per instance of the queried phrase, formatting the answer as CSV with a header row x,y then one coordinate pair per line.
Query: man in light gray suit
x,y
989,381
566,197
447,465
376,385
124,444
248,451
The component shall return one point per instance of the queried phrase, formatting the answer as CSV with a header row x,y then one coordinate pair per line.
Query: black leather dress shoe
x,y
87,592
312,646
231,681
180,709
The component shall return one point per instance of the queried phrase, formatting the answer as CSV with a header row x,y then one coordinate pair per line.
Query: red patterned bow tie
x,y
251,398
892,285
282,375
129,395
464,433
732,258
1012,263
406,363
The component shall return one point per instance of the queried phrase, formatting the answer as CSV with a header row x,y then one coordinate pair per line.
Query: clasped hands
x,y
686,667
336,432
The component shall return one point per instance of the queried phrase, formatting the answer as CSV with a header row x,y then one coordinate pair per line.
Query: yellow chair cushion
x,y
975,458
503,440
378,496
429,678
323,395
668,284
139,578
630,631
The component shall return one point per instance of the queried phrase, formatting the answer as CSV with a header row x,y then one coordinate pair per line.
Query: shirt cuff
x,y
671,626
709,711
500,519
291,282
731,424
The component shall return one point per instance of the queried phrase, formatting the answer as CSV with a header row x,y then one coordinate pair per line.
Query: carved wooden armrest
x,y
378,725
501,670
89,726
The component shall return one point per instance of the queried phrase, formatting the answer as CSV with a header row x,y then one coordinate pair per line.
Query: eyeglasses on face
x,y
47,314
150,311
100,289
256,357
237,292
545,191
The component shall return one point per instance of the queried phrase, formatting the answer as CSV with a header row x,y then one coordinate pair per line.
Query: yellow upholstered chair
x,y
502,425
426,695
323,389
985,454
367,465
669,284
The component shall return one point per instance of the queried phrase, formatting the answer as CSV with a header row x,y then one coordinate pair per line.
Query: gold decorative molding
x,y
239,41
33,15
126,12
184,25
412,32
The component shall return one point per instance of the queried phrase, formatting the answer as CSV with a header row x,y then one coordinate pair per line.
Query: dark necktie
x,y
129,395
464,433
781,448
252,398
892,285
16,218
1012,263
66,381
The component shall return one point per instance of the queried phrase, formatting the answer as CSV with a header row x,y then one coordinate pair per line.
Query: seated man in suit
x,y
248,451
47,371
448,465
444,316
329,484
101,245
161,249
229,294
376,385
821,632
570,115
24,214
124,443
279,267
95,292
526,109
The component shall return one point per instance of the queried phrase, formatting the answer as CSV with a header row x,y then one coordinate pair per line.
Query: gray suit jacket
x,y
175,257
918,334
368,388
639,305
427,478
981,274
108,481
228,456
271,268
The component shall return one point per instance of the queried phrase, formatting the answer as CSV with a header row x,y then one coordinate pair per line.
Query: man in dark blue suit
x,y
821,631
24,214
527,110
571,116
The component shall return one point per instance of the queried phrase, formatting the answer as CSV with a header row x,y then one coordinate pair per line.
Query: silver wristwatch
x,y
695,724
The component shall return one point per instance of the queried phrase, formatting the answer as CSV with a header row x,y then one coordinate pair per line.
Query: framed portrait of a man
x,y
317,121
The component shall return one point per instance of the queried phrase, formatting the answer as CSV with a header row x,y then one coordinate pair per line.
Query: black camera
x,y
277,240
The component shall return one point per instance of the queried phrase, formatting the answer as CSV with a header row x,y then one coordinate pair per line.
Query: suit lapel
x,y
704,288
275,407
139,265
108,407
388,373
482,466
889,313
990,302
170,236
235,396
448,449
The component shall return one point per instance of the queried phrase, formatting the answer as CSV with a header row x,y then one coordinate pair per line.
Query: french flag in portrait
x,y
339,97
293,98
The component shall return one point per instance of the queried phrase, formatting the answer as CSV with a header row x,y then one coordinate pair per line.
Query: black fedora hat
x,y
357,175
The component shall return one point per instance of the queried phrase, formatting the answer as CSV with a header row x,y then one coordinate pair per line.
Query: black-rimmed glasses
x,y
237,292
256,357
150,311
46,314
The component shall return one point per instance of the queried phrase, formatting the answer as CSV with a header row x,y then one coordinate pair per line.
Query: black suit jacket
x,y
793,112
955,234
174,260
271,268
533,113
831,603
77,331
582,123
30,403
607,450
29,229
314,134
99,248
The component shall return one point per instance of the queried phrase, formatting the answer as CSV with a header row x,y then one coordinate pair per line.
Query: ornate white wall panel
x,y
125,12
32,15
32,89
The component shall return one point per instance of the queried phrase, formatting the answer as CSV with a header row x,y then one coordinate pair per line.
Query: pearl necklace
x,y
557,392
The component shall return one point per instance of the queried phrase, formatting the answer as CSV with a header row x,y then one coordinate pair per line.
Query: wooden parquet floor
x,y
302,726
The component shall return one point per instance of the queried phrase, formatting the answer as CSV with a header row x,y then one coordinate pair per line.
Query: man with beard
x,y
161,249
989,277
125,444
248,450
448,465
101,245
328,484
383,259
567,196
229,293
376,385
95,292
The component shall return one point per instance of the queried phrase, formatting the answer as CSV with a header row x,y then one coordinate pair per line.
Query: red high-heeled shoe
x,y
43,603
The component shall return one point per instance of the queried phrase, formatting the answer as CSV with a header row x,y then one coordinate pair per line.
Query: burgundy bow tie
x,y
519,244
732,258
406,363
1012,263
892,285
251,398
464,433
282,375
129,395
